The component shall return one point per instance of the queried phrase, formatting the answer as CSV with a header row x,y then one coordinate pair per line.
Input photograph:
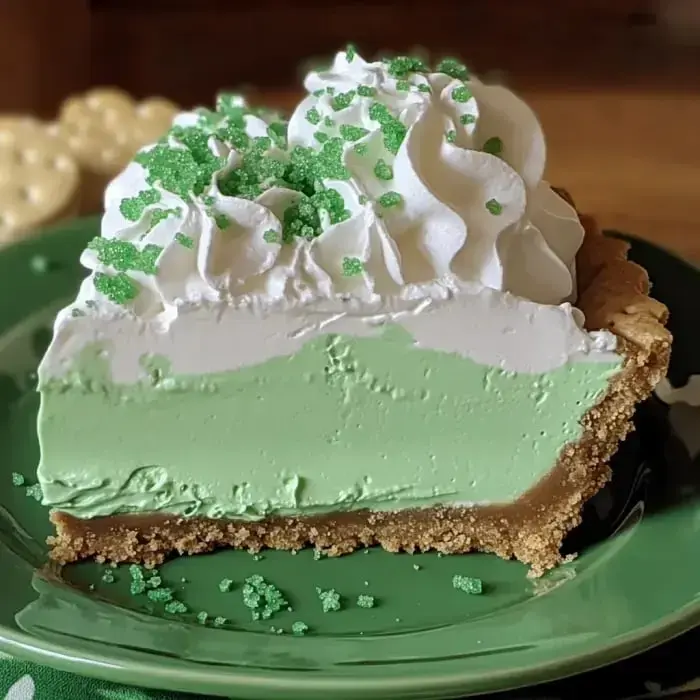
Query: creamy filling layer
x,y
344,423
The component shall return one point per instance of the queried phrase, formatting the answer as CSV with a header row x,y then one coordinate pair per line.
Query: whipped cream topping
x,y
388,179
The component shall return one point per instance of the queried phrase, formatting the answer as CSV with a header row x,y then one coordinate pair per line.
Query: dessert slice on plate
x,y
375,324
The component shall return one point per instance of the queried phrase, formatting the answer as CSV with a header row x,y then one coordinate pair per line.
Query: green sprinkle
x,y
402,66
350,53
424,87
416,567
343,100
136,572
318,554
467,584
225,585
393,130
321,136
35,492
154,582
351,268
390,199
403,85
271,236
361,149
451,136
17,479
299,628
120,289
175,607
330,600
366,91
137,587
352,133
262,598
461,94
258,557
184,240
158,215
160,595
467,119
125,256
312,116
454,68
383,171
219,621
494,146
222,221
327,121
208,200
365,601
108,576
202,617
132,208
494,207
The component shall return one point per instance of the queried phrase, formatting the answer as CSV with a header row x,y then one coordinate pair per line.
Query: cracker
x,y
104,128
39,179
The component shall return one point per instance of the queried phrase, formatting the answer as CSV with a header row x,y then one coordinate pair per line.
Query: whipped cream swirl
x,y
387,179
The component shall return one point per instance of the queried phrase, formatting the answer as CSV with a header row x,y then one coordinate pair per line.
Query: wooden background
x,y
616,82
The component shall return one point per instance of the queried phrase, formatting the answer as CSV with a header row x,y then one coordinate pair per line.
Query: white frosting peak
x,y
391,180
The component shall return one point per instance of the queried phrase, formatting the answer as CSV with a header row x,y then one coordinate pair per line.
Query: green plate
x,y
635,584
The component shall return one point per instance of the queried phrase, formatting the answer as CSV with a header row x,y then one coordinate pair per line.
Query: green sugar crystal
x,y
125,256
393,131
366,91
318,93
467,119
365,601
403,85
137,587
208,200
154,582
351,268
230,105
350,53
352,133
158,215
461,94
313,116
225,585
262,598
363,199
390,199
330,600
184,240
454,68
416,567
299,628
108,576
494,146
494,207
402,66
35,492
361,149
219,621
327,121
132,208
383,171
175,607
17,479
222,221
119,289
451,136
321,136
271,236
160,595
424,87
330,90
343,100
202,617
467,584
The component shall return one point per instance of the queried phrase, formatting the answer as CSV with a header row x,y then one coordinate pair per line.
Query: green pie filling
x,y
347,423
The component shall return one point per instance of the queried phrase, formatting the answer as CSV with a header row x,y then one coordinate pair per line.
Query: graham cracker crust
x,y
613,294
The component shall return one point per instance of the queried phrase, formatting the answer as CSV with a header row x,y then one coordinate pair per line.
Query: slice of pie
x,y
374,324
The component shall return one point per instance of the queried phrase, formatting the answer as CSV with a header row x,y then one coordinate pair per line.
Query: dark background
x,y
188,49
